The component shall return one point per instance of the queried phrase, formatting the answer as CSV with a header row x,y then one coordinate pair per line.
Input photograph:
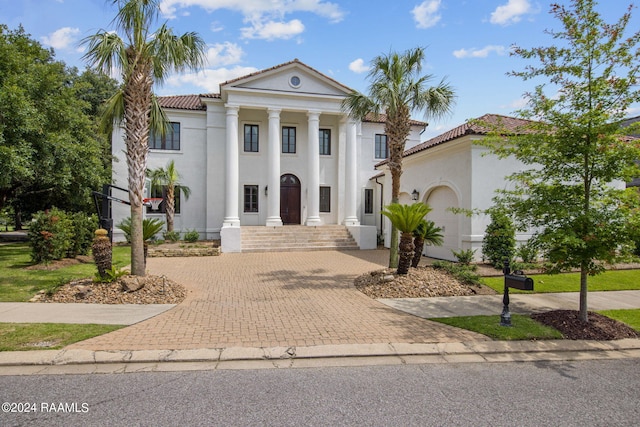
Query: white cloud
x,y
226,53
358,66
479,53
62,38
426,13
272,30
511,12
209,79
266,18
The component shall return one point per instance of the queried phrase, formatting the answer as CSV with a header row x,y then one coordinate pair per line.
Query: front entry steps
x,y
296,238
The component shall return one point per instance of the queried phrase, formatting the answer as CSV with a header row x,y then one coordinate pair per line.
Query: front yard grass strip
x,y
523,327
629,316
47,336
611,280
19,285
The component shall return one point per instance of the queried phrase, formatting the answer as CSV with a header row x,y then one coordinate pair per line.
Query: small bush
x,y
499,242
150,227
50,236
110,275
172,236
528,252
464,273
191,236
464,256
83,228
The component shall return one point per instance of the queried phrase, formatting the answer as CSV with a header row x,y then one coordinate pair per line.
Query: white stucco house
x,y
271,149
453,171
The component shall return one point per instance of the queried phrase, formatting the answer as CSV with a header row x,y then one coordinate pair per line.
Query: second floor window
x,y
382,149
288,139
251,138
325,142
169,141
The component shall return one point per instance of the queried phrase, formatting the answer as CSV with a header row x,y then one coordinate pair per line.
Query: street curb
x,y
325,355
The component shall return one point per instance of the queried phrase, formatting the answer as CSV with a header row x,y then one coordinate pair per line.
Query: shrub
x,y
150,227
172,236
464,273
83,227
191,236
528,252
464,256
50,236
499,241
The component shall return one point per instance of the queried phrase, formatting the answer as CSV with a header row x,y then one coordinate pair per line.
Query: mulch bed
x,y
599,327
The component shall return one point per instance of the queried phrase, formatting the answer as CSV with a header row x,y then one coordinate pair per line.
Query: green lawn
x,y
612,280
523,327
18,284
47,336
629,316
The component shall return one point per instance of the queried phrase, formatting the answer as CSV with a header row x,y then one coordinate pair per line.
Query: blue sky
x,y
467,41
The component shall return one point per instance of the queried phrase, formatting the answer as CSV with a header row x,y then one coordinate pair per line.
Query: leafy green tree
x,y
575,150
406,218
50,154
168,178
499,242
143,57
397,89
426,233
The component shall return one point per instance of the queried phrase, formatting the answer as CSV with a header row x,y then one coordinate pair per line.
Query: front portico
x,y
284,168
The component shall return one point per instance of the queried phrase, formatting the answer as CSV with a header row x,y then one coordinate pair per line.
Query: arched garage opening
x,y
441,199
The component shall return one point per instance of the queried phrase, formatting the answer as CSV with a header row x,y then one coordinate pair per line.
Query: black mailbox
x,y
523,283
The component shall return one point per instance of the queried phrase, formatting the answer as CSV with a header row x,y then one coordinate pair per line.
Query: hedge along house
x,y
451,171
272,149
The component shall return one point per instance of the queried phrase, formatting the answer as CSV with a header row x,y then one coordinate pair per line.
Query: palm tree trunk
x,y
137,99
418,244
170,207
406,253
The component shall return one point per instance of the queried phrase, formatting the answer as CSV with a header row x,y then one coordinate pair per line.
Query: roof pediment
x,y
290,78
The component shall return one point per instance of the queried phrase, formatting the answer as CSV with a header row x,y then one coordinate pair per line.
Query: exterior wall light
x,y
415,195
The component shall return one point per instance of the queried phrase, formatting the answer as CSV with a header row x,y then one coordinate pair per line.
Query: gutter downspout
x,y
381,204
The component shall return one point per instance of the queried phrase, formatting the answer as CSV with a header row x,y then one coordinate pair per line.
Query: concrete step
x,y
296,238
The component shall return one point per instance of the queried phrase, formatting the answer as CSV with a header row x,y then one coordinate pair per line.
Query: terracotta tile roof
x,y
185,102
381,118
295,61
511,124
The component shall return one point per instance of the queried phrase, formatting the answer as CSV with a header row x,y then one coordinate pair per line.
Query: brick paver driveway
x,y
274,299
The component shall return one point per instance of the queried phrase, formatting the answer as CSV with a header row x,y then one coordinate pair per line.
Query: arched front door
x,y
290,199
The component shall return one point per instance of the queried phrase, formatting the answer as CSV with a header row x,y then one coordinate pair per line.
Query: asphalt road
x,y
589,393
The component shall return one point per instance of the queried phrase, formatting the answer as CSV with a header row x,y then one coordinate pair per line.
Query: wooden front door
x,y
290,199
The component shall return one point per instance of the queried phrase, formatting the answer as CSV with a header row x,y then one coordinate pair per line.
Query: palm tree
x,y
168,178
406,219
397,89
143,58
428,233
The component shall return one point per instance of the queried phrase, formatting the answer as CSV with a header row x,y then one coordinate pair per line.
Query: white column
x,y
351,175
313,175
273,151
232,169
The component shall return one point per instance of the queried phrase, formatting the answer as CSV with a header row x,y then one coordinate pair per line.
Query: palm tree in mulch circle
x,y
406,219
397,89
144,58
169,178
426,233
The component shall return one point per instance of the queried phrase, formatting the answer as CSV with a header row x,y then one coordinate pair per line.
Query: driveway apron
x,y
274,299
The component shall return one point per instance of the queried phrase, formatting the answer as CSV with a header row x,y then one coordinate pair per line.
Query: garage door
x,y
440,200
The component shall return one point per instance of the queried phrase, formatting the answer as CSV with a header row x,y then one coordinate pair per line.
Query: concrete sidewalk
x,y
426,308
479,305
105,314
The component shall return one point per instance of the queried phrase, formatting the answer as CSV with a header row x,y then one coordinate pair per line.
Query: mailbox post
x,y
516,281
